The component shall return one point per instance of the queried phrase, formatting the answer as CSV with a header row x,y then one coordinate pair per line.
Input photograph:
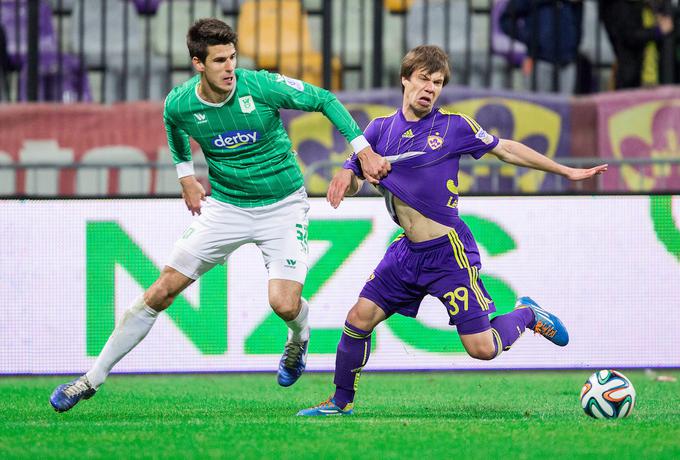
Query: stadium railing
x,y
485,177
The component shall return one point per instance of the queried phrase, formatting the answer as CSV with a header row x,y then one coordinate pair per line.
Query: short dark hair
x,y
430,58
208,32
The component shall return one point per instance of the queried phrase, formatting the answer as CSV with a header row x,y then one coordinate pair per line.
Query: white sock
x,y
132,328
299,329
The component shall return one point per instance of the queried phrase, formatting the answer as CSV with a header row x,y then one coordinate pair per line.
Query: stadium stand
x,y
60,75
168,39
110,36
277,37
135,50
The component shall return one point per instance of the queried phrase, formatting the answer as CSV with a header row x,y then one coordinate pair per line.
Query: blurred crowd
x,y
641,34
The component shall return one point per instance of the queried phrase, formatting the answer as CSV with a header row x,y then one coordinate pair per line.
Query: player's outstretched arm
x,y
193,193
344,183
519,154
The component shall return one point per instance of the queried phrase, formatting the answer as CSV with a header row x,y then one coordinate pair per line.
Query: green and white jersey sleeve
x,y
249,154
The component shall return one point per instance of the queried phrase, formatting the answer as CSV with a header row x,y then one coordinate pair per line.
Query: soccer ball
x,y
608,394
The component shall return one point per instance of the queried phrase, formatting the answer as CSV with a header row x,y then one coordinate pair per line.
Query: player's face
x,y
421,91
218,68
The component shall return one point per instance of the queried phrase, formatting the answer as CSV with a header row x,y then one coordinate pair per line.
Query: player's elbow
x,y
505,149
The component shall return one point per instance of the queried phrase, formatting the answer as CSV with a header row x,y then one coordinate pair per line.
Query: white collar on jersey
x,y
216,104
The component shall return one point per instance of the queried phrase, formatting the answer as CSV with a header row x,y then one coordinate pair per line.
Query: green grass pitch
x,y
460,415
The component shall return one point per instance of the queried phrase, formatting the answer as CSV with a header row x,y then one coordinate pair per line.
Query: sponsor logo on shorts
x,y
370,277
290,263
235,139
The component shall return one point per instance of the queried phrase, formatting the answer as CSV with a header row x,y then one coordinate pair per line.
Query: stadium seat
x,y
176,17
353,43
398,6
38,180
62,6
74,83
290,52
123,56
7,175
146,7
131,181
229,6
449,33
73,86
13,17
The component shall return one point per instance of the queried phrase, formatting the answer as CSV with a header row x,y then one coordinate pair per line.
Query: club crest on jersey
x,y
246,103
435,142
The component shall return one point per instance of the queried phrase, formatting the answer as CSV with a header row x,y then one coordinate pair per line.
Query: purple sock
x,y
353,352
508,327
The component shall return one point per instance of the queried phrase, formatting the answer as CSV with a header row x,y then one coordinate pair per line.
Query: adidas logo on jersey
x,y
408,134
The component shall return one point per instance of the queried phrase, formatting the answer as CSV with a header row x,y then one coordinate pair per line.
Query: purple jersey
x,y
425,157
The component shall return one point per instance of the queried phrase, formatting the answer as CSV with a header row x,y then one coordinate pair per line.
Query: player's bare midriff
x,y
417,227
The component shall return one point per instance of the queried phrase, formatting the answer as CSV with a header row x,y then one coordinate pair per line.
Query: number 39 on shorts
x,y
302,236
457,299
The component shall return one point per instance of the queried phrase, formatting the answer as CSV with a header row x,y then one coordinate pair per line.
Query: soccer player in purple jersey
x,y
437,254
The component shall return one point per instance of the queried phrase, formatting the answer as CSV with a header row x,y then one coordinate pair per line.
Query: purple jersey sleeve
x,y
472,139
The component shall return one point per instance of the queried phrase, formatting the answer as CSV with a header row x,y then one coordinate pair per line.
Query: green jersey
x,y
249,154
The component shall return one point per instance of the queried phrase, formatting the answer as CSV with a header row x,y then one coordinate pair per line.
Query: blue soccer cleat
x,y
326,408
292,362
545,323
65,396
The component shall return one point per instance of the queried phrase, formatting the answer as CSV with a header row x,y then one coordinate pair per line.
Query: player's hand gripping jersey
x,y
249,155
425,157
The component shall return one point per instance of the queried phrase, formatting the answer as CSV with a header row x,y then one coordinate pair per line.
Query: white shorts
x,y
279,230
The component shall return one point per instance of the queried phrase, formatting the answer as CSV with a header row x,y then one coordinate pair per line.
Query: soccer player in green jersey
x,y
257,194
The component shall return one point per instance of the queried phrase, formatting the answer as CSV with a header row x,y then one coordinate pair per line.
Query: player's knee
x,y
362,318
355,318
484,351
286,307
159,296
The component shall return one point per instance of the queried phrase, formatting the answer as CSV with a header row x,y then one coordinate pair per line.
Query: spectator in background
x,y
624,22
551,31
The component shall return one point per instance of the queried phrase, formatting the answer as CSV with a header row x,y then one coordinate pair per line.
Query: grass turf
x,y
427,415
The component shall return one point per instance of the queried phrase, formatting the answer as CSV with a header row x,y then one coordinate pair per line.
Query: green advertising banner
x,y
572,254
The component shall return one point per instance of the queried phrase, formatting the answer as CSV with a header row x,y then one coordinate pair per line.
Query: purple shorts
x,y
446,268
